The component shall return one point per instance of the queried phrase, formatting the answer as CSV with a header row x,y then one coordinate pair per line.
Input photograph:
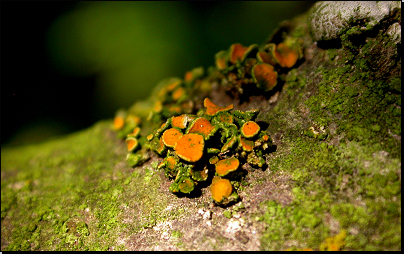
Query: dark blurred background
x,y
67,65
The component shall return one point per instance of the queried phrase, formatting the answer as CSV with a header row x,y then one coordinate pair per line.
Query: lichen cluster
x,y
198,142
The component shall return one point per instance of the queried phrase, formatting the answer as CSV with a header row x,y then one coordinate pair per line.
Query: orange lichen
x,y
136,132
173,85
213,160
178,93
179,121
265,75
170,162
212,109
201,126
118,122
250,129
220,189
149,137
230,142
221,60
160,149
266,58
188,76
171,136
246,144
286,56
226,117
131,143
158,106
225,166
190,147
186,186
237,52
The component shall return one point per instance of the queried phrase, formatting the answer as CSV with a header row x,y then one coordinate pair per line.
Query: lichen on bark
x,y
335,119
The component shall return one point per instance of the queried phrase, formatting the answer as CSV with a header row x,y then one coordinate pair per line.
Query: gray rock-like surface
x,y
330,19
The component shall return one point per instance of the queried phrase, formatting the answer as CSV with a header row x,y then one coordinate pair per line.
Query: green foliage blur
x,y
129,46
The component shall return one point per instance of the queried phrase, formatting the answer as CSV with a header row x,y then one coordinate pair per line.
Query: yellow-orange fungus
x,y
250,129
265,75
246,144
132,143
158,106
231,141
150,137
186,186
188,76
266,58
212,109
265,137
178,93
170,162
190,147
179,121
286,56
136,131
237,52
221,63
201,126
223,167
171,136
118,122
161,146
226,118
220,188
173,85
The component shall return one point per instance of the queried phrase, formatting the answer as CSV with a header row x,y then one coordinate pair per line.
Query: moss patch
x,y
75,193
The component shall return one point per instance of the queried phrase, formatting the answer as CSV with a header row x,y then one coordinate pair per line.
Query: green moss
x,y
54,205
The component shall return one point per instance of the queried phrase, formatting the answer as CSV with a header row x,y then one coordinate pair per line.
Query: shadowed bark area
x,y
332,180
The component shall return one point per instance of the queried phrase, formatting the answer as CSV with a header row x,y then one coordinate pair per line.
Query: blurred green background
x,y
66,65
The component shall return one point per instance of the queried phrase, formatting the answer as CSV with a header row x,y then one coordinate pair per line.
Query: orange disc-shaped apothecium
x,y
266,58
212,109
246,144
237,52
190,147
201,126
250,129
170,162
220,188
136,131
173,85
178,93
158,106
179,121
118,122
188,76
171,136
224,167
286,56
149,137
230,142
132,143
265,74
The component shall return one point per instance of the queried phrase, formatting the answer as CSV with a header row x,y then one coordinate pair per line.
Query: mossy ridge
x,y
353,176
93,198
